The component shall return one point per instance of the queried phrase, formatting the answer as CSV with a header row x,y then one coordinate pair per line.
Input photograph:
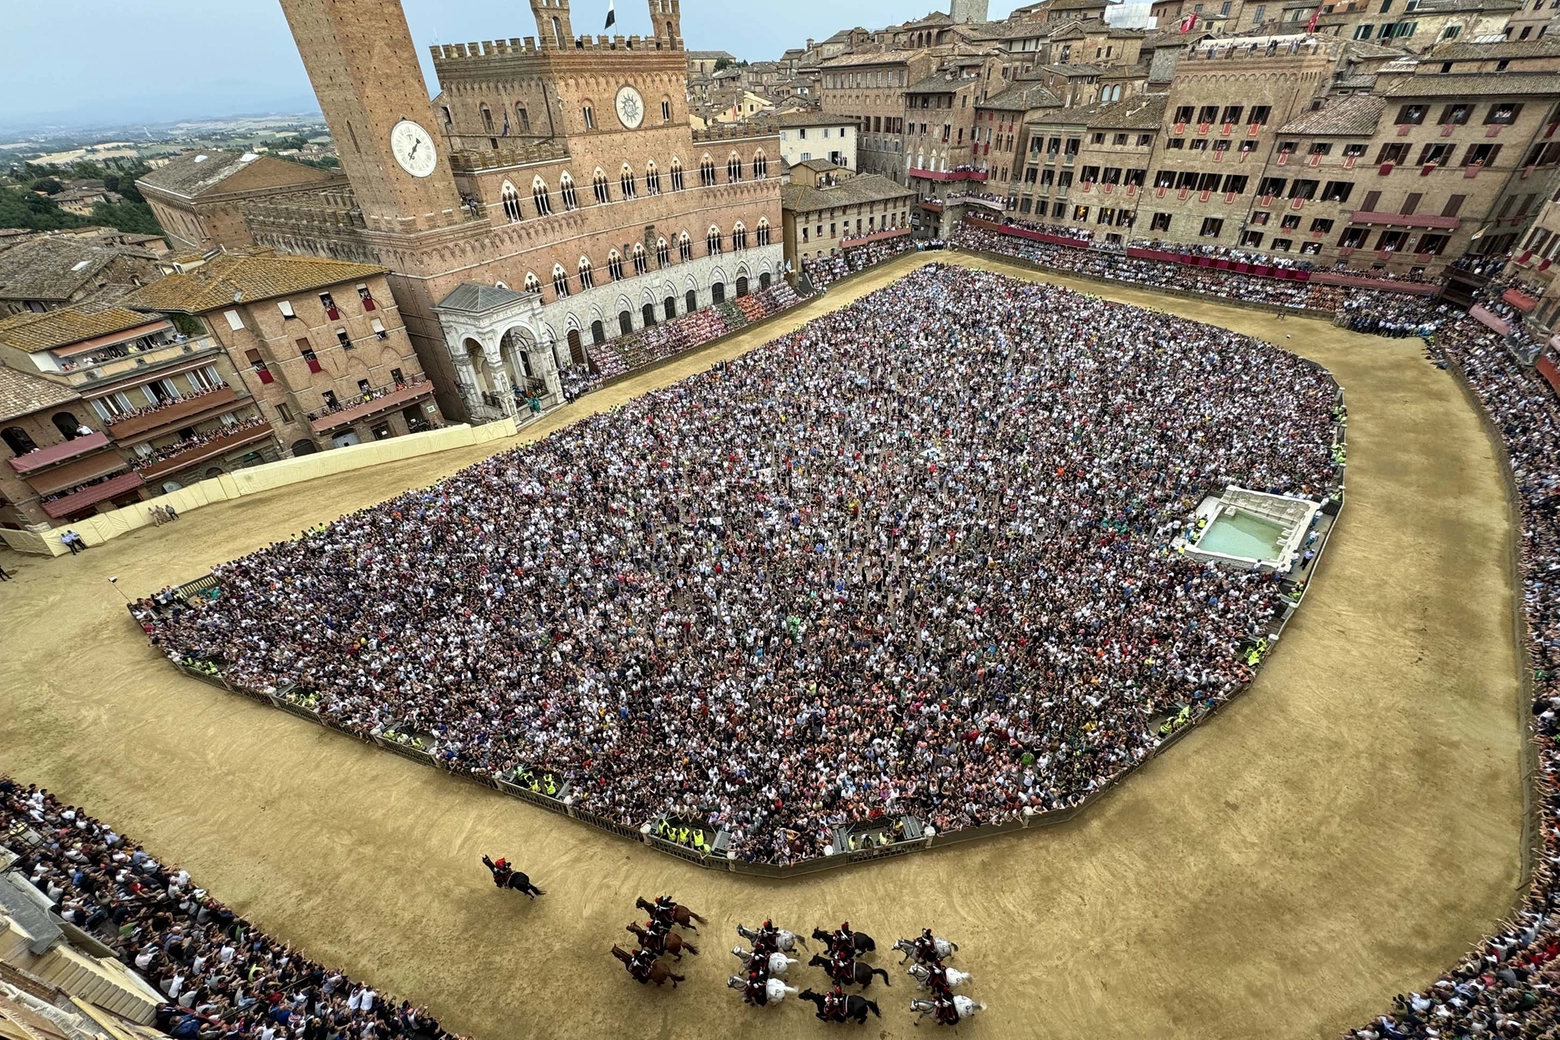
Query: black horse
x,y
860,942
853,1009
505,876
848,972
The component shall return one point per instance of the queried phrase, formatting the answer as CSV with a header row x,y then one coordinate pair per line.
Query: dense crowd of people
x,y
910,559
1392,314
184,444
656,343
824,271
1506,987
222,978
1400,314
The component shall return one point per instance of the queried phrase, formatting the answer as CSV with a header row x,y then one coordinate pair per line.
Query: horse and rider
x,y
506,876
839,1006
657,938
926,948
845,941
644,967
668,911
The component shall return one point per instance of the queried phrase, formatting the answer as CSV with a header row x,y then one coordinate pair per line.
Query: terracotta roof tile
x,y
867,187
22,393
34,332
54,267
214,284
1347,114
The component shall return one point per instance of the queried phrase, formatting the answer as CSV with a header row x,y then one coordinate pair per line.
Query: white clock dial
x,y
413,148
630,108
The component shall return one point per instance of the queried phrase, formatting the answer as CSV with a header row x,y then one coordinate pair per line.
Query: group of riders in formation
x,y
766,963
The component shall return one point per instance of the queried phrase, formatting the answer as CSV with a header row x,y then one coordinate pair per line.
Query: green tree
x,y
48,185
131,217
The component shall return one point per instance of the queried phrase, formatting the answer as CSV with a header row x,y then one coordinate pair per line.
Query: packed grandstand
x,y
928,541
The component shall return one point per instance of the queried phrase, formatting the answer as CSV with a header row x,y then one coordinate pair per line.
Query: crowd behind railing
x,y
823,271
692,602
1505,986
184,444
220,977
153,409
1366,310
366,397
667,339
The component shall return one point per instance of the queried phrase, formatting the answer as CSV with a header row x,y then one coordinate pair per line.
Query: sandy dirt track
x,y
1338,835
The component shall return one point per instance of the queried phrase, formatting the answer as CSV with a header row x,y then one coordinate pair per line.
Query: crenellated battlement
x,y
519,153
736,131
476,51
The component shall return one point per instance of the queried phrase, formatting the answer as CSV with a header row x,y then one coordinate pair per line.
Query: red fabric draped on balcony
x,y
35,460
1546,368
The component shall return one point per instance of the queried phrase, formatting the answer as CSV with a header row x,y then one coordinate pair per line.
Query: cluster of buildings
x,y
563,191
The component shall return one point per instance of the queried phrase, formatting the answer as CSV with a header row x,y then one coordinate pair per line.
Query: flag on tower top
x,y
611,12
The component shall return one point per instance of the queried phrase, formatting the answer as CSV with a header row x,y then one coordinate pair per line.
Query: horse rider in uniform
x,y
640,964
834,1005
844,940
947,1013
767,940
500,869
926,947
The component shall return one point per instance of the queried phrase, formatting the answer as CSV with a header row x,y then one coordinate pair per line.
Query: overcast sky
x,y
91,62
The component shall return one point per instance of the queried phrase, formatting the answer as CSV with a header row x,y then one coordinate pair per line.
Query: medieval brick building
x,y
555,183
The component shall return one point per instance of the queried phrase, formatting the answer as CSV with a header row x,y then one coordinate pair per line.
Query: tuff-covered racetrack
x,y
1339,834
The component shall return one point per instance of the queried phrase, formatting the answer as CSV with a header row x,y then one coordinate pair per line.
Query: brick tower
x,y
361,61
968,11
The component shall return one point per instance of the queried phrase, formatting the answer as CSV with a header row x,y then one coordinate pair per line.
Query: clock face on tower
x,y
630,108
413,148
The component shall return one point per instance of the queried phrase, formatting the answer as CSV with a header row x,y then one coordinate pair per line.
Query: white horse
x,y
786,942
779,963
922,975
964,1007
774,990
945,949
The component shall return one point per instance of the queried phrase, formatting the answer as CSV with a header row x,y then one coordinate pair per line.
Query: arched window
x,y
600,186
712,240
652,179
677,174
69,426
733,168
560,281
762,231
760,165
557,28
17,440
532,283
542,197
739,236
511,201
487,119
707,172
587,275
641,259
522,117
685,246
566,189
626,182
615,265
663,252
